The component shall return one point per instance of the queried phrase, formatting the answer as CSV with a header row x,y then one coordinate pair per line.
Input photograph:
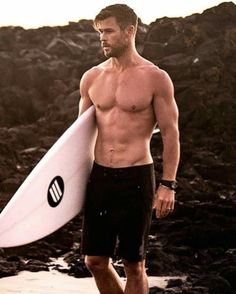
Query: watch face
x,y
171,184
174,185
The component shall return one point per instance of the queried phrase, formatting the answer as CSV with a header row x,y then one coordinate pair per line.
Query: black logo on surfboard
x,y
55,191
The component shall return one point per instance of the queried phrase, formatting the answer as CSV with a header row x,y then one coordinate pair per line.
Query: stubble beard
x,y
116,52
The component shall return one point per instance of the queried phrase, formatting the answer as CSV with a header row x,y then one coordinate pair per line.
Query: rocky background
x,y
40,72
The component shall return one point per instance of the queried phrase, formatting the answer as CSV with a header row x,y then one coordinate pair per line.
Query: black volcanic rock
x,y
215,284
199,54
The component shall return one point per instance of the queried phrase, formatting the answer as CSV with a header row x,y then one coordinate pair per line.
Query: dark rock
x,y
47,142
79,270
35,266
215,284
174,283
13,258
225,173
196,290
181,250
159,262
229,275
10,185
8,268
156,290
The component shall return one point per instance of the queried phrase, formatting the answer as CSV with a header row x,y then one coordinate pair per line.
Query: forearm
x,y
171,154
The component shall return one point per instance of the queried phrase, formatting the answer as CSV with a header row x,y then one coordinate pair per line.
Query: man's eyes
x,y
106,31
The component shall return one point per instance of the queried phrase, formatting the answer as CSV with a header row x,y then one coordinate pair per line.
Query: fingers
x,y
164,204
163,213
163,209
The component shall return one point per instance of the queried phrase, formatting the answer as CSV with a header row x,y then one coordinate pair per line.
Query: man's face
x,y
114,41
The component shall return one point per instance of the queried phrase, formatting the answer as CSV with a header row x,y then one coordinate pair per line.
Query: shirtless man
x,y
131,95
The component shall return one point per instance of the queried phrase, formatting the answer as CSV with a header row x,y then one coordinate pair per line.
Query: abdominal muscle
x,y
123,138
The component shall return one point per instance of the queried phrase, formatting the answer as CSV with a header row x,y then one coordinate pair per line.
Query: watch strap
x,y
172,185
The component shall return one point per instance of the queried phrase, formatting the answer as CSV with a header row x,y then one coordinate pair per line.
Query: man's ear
x,y
131,29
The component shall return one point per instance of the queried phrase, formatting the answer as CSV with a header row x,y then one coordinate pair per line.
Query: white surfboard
x,y
54,191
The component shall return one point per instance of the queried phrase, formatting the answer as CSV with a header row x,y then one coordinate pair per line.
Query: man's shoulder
x,y
156,75
94,71
159,78
155,70
152,69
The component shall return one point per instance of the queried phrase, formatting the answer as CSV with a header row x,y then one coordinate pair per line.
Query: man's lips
x,y
105,46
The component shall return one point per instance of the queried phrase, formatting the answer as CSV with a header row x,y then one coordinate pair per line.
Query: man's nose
x,y
102,37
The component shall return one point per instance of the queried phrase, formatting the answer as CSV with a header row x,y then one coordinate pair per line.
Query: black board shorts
x,y
118,211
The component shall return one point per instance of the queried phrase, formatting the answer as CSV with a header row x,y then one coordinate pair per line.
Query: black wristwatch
x,y
172,185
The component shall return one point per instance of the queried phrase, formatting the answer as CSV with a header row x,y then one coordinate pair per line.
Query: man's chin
x,y
107,53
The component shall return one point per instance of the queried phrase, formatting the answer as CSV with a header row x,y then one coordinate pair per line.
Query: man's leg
x,y
137,281
106,278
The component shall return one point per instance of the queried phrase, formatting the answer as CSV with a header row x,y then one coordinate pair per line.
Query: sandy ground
x,y
54,282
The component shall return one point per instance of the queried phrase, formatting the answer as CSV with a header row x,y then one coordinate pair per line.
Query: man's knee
x,y
135,269
96,263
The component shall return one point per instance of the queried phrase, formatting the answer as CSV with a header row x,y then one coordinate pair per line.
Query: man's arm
x,y
166,113
85,101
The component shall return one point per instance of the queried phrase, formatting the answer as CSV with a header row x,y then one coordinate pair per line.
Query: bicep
x,y
85,101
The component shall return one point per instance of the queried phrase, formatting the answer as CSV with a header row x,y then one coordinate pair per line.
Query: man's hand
x,y
164,201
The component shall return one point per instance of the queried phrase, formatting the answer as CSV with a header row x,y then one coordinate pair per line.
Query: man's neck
x,y
128,59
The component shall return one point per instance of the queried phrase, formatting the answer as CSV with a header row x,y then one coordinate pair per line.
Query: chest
x,y
131,91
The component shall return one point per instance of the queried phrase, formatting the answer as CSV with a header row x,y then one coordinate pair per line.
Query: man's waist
x,y
125,171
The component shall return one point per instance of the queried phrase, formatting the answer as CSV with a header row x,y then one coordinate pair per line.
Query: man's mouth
x,y
104,46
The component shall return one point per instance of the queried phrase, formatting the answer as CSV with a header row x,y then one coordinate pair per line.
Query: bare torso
x,y
124,113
